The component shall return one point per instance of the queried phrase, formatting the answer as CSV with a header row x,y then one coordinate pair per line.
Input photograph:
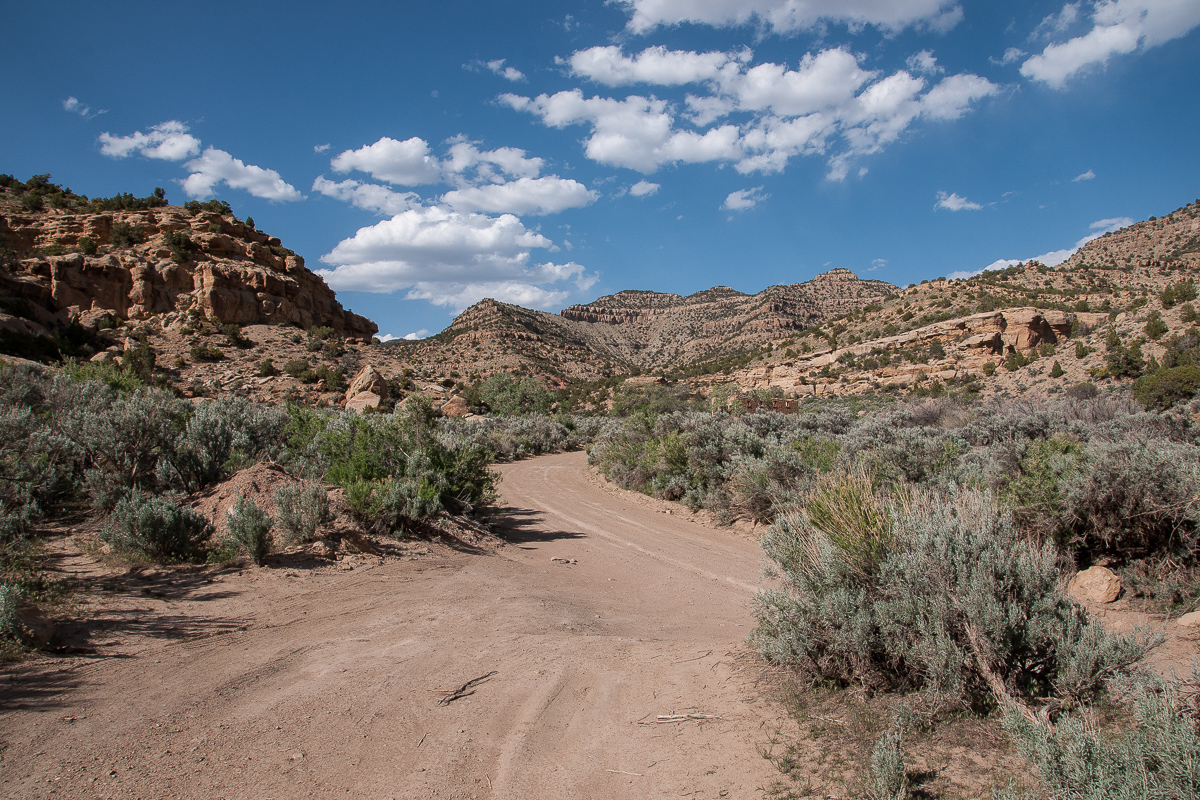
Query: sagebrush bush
x,y
957,604
249,528
1158,756
887,779
10,608
301,508
156,528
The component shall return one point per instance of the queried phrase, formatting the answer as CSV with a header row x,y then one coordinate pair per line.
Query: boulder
x,y
1094,585
368,379
455,407
361,401
1189,620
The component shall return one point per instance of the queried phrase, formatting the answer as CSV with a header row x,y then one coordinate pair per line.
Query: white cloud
x,y
452,259
415,335
548,195
1011,56
370,196
1085,176
784,16
924,62
643,189
877,263
657,65
744,199
75,106
168,141
1054,257
508,73
216,166
1117,27
636,132
952,202
489,165
407,163
828,101
321,148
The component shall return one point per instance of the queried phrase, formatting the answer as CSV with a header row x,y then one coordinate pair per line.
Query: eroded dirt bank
x,y
289,682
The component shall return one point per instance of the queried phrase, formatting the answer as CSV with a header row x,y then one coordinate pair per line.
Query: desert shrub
x,y
217,438
200,352
989,369
946,596
125,235
1125,362
1158,756
334,377
1056,371
887,779
1034,490
1155,326
10,612
1167,387
1134,499
301,508
249,528
87,245
266,368
1082,391
511,395
155,527
180,245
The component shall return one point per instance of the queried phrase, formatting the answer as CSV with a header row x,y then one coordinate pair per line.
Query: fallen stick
x,y
667,718
623,772
468,688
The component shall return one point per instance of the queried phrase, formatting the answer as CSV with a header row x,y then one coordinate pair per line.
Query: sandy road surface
x,y
298,683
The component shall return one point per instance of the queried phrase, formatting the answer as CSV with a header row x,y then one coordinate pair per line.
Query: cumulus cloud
x,y
828,102
407,163
1054,257
415,335
321,148
1085,176
952,202
466,160
924,62
508,73
536,196
369,196
785,16
744,199
657,65
452,259
215,166
643,189
168,141
1115,27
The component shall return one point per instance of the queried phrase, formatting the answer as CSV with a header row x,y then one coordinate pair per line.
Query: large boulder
x,y
1094,585
368,389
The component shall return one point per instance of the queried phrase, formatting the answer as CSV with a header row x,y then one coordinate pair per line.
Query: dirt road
x,y
292,682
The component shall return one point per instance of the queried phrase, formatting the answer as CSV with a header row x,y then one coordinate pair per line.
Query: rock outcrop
x,y
144,263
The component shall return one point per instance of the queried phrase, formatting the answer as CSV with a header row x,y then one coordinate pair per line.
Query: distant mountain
x,y
638,331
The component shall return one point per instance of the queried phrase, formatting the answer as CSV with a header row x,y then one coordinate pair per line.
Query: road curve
x,y
600,615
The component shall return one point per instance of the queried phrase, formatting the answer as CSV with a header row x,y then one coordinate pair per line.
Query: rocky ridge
x,y
66,265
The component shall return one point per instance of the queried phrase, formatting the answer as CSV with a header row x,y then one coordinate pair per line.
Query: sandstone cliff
x,y
64,264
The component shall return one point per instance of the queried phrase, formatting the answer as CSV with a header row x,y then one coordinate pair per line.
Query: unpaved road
x,y
281,683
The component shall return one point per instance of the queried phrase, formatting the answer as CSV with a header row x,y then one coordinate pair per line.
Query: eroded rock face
x,y
231,272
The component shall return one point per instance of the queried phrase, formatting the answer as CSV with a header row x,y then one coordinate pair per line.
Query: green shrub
x,y
10,612
87,245
301,508
125,235
156,528
250,529
1187,312
1158,756
267,369
1056,371
888,779
200,352
1167,387
1155,327
989,369
180,244
960,606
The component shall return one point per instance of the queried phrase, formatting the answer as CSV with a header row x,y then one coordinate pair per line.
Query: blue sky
x,y
426,155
